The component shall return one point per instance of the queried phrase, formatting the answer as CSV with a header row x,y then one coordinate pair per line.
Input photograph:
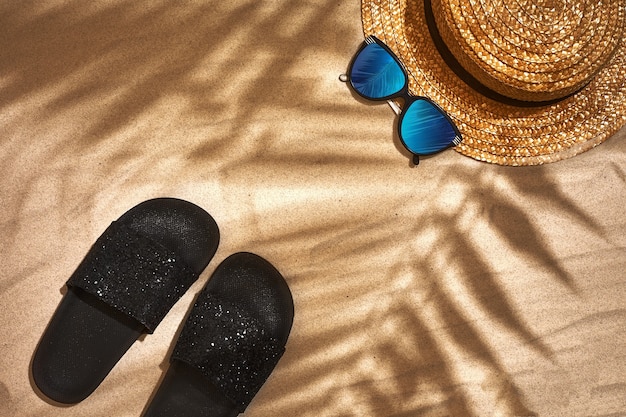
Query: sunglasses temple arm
x,y
394,106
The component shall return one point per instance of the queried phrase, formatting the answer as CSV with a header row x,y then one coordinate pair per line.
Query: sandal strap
x,y
229,348
133,274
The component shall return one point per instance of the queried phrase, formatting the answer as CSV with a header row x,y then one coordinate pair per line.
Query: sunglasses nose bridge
x,y
397,104
401,102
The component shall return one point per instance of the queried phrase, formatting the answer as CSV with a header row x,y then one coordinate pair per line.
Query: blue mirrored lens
x,y
376,74
424,129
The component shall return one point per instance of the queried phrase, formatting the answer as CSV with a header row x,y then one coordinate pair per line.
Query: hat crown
x,y
531,50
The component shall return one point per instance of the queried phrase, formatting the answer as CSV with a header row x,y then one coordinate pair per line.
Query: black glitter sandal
x,y
230,343
130,278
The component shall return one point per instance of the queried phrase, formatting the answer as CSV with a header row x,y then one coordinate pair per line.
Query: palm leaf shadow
x,y
429,365
482,284
325,358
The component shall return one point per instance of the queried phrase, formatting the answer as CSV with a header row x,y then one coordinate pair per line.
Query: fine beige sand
x,y
455,288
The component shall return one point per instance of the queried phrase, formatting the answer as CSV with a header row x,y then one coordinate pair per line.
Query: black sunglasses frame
x,y
403,93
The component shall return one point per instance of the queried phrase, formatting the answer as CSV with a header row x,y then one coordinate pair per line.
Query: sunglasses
x,y
375,73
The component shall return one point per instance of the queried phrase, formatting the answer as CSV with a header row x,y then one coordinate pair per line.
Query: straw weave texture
x,y
569,52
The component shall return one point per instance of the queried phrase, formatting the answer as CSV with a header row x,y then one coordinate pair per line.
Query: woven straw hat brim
x,y
493,131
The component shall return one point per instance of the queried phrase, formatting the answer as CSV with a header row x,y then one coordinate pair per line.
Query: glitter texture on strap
x,y
133,274
230,348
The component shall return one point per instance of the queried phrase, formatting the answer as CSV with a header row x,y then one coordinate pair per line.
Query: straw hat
x,y
526,81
